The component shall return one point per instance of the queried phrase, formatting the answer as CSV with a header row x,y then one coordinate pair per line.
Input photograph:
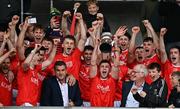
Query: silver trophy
x,y
106,40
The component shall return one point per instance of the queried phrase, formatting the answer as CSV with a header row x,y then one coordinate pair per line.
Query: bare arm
x,y
2,47
6,55
163,53
64,23
20,41
93,68
94,32
115,67
31,55
83,38
12,26
50,59
152,33
131,56
10,45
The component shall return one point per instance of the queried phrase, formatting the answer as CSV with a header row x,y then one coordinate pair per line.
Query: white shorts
x,y
117,103
86,104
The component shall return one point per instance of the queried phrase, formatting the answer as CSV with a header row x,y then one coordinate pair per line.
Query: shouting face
x,y
104,70
68,46
123,42
87,56
149,48
38,35
174,56
140,55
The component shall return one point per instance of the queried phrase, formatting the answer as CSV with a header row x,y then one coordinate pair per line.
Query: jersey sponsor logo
x,y
6,86
41,77
104,89
34,80
84,75
69,64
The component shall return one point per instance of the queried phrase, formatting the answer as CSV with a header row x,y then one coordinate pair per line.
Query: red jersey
x,y
14,68
168,69
154,58
123,56
72,62
41,76
84,82
134,63
28,86
122,77
102,92
5,91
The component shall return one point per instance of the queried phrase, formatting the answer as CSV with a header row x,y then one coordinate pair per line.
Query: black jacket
x,y
51,94
156,95
88,18
126,89
174,98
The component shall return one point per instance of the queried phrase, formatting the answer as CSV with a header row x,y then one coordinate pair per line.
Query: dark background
x,y
117,12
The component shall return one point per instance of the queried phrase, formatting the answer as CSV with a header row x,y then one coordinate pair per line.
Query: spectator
x,y
174,97
137,85
93,10
157,93
57,92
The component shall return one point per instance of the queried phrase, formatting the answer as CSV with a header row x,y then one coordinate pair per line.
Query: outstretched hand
x,y
121,31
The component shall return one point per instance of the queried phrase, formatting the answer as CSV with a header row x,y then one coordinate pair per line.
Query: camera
x,y
32,20
106,40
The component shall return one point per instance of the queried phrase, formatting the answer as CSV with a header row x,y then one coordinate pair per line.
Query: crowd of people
x,y
83,64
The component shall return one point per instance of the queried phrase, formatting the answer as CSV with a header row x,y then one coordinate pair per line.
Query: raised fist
x,y
78,16
100,16
38,46
135,29
66,14
163,32
15,19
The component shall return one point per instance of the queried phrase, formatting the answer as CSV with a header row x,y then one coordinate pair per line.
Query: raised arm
x,y
20,41
163,53
94,32
12,26
149,28
3,46
131,56
93,68
83,38
115,67
64,25
6,55
31,55
50,59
